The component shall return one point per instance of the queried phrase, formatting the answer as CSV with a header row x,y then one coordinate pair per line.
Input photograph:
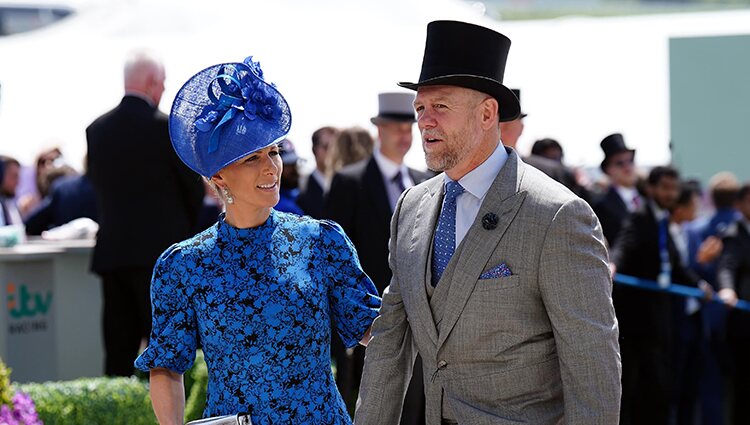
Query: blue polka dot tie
x,y
445,233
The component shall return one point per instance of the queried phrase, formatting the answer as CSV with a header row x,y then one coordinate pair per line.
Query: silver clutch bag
x,y
238,419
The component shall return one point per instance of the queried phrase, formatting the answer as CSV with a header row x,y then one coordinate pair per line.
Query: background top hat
x,y
611,145
395,107
469,56
517,92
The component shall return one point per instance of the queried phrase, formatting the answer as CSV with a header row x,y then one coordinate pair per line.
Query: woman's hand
x,y
167,396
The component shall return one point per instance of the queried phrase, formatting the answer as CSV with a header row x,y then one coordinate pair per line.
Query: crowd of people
x,y
297,264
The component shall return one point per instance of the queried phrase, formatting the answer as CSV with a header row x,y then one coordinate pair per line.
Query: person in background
x,y
706,234
259,288
351,145
147,199
362,198
511,131
47,161
622,198
289,179
70,197
733,276
687,360
646,249
312,197
548,148
11,169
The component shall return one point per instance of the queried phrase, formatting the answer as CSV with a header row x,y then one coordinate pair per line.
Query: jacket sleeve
x,y
726,273
576,290
390,356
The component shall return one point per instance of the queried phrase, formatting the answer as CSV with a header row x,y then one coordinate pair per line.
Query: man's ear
x,y
490,113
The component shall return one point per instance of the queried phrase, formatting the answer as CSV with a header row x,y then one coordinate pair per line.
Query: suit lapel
x,y
504,200
373,182
419,250
618,205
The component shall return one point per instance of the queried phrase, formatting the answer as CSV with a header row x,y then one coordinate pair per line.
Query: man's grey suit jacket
x,y
537,347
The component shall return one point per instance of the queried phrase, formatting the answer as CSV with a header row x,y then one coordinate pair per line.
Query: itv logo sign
x,y
22,303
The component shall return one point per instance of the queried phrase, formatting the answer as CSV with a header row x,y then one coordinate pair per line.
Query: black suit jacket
x,y
70,198
358,201
312,199
612,213
147,199
645,315
734,272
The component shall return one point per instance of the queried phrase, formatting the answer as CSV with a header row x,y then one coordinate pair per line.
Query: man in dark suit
x,y
147,199
70,197
312,197
362,198
733,275
622,198
645,249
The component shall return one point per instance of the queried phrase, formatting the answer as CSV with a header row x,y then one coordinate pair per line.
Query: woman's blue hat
x,y
225,113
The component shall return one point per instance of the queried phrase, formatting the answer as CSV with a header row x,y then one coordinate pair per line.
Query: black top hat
x,y
517,92
611,145
469,56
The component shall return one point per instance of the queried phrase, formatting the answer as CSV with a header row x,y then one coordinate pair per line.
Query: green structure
x,y
710,105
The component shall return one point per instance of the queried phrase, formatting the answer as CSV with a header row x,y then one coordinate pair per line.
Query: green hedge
x,y
101,401
106,401
196,381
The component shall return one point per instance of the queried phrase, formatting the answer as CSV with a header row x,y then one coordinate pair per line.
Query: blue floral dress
x,y
260,301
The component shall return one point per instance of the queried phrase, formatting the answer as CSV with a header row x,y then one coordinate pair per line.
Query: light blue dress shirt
x,y
476,184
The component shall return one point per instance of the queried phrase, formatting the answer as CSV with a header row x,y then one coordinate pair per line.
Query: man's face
x,y
688,212
510,132
10,180
621,169
395,139
666,192
449,121
320,151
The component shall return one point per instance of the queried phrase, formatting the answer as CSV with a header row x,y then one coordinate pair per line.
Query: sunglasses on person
x,y
623,162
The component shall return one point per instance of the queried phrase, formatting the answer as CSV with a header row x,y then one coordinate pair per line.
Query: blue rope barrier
x,y
685,291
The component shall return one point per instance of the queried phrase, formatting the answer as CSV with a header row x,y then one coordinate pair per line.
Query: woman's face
x,y
253,181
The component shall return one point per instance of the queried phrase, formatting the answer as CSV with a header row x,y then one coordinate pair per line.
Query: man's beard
x,y
443,160
454,151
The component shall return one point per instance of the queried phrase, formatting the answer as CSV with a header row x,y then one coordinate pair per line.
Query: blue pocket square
x,y
501,270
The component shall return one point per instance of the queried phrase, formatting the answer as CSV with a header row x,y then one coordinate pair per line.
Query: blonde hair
x,y
351,145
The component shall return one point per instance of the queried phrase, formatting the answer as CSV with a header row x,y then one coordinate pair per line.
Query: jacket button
x,y
442,364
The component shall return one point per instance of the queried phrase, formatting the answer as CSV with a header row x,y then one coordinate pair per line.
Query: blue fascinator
x,y
224,113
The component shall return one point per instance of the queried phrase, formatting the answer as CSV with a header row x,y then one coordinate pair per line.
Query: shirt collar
x,y
626,193
659,213
388,168
320,178
478,181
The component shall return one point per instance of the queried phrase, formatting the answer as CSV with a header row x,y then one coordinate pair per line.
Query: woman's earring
x,y
227,195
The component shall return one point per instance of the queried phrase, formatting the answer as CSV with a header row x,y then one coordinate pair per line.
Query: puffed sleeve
x,y
173,338
352,296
